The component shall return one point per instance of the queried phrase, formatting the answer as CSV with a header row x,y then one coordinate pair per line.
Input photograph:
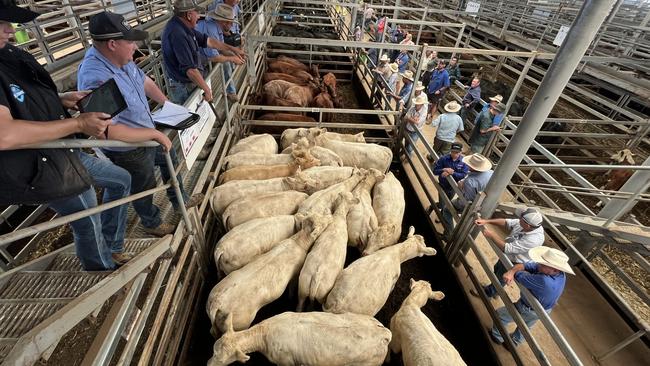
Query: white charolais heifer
x,y
327,257
263,144
416,337
314,339
292,135
388,204
242,293
260,206
321,202
246,159
227,193
364,286
318,178
361,217
252,172
250,240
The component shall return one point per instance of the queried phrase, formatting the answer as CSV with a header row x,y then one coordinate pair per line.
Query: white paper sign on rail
x,y
561,34
472,8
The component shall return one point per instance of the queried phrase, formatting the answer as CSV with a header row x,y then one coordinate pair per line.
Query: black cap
x,y
10,12
455,146
106,25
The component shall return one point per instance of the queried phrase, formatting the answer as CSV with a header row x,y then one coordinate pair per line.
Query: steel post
x,y
179,194
591,16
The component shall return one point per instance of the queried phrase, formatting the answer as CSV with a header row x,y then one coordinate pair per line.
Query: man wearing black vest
x,y
33,112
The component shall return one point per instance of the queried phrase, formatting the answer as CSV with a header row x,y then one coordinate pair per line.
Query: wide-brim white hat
x,y
408,74
478,162
419,86
420,99
497,98
383,57
452,107
551,257
393,67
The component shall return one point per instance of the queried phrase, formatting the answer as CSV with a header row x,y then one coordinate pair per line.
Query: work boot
x,y
160,230
195,200
232,97
120,259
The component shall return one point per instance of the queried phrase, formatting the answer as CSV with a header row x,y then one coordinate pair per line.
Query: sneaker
x,y
161,230
232,97
493,337
195,200
120,259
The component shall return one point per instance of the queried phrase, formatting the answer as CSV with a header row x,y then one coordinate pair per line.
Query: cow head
x,y
421,292
380,238
414,246
226,349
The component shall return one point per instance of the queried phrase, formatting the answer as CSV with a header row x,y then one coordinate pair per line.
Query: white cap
x,y
530,215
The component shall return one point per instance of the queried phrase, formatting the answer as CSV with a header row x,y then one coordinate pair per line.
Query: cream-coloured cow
x,y
316,338
242,293
364,286
388,204
321,202
361,217
244,243
292,135
262,143
318,178
245,159
360,155
260,206
327,257
227,193
416,337
257,172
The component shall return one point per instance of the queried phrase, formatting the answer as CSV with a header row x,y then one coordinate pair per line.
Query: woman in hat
x,y
449,125
414,120
405,92
545,278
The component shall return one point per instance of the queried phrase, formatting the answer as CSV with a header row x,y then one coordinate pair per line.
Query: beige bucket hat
x,y
551,257
452,107
478,162
420,99
393,67
497,98
408,74
383,57
419,86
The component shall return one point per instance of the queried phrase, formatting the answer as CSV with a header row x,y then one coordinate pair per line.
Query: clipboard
x,y
174,116
107,98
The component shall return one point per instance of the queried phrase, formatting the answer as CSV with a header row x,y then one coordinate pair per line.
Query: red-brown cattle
x,y
294,62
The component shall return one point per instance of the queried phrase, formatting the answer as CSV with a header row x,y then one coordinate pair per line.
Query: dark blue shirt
x,y
460,170
547,289
180,47
439,79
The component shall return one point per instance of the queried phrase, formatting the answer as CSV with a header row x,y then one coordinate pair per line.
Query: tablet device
x,y
107,99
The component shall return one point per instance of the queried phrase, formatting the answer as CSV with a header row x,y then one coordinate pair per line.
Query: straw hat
x,y
478,162
530,215
223,12
383,57
393,67
497,98
452,107
408,74
551,257
419,86
420,99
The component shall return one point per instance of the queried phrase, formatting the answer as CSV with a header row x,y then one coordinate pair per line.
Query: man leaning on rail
x,y
525,232
32,112
180,48
544,276
111,57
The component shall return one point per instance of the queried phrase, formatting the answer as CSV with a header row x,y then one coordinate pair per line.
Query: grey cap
x,y
187,5
530,215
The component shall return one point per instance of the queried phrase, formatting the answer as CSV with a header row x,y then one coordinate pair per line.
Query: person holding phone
x,y
111,57
33,112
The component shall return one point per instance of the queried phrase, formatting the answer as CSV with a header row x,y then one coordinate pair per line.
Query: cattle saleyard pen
x,y
152,310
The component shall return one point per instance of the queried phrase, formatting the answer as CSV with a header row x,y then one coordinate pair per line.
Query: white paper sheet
x,y
171,114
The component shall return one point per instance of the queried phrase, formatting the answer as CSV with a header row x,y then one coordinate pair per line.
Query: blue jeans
x,y
179,91
116,183
415,137
140,163
528,314
499,271
227,73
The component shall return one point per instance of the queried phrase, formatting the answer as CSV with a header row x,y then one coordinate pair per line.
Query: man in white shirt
x,y
526,233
